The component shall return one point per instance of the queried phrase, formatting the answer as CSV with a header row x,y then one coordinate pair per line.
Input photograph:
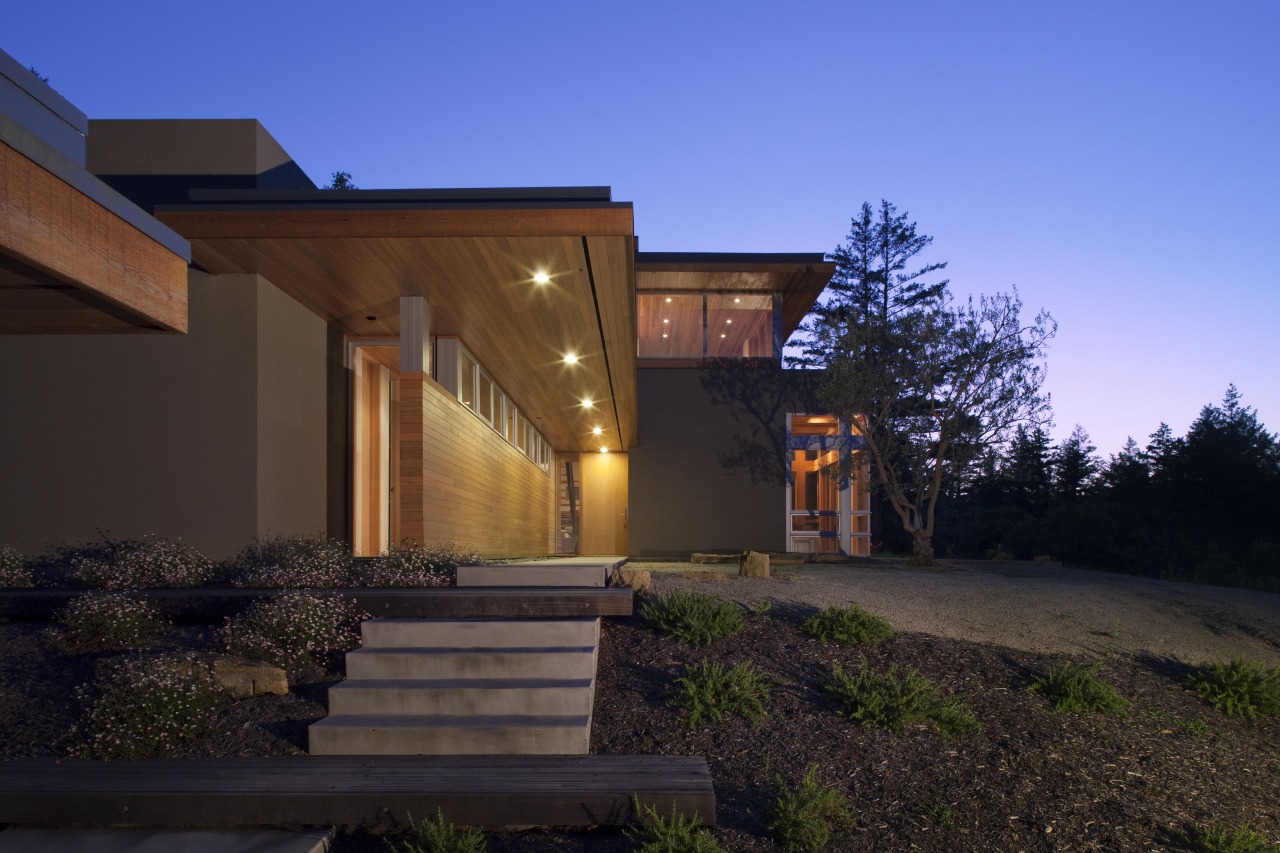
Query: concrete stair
x,y
522,686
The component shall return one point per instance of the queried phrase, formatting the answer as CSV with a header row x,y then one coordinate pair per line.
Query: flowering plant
x,y
295,562
294,629
417,565
99,621
14,571
148,563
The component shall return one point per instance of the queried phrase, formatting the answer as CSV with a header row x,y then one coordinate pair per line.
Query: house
x,y
199,343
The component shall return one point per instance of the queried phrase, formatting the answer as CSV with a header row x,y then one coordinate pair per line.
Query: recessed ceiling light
x,y
665,320
736,299
587,402
604,450
668,298
724,336
570,358
730,322
541,278
597,430
665,335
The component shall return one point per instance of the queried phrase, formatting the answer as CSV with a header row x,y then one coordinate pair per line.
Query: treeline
x,y
1204,506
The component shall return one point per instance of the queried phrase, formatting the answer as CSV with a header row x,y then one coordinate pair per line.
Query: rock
x,y
242,679
638,579
753,564
714,559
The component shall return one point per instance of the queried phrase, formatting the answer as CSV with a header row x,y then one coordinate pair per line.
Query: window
x,y
698,325
670,325
467,381
484,398
739,326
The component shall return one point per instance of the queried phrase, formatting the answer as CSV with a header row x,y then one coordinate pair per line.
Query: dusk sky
x,y
1118,162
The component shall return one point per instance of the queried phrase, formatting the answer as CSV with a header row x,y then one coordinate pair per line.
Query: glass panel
x,y
669,325
522,428
467,381
815,545
814,425
484,398
860,524
739,326
811,487
815,523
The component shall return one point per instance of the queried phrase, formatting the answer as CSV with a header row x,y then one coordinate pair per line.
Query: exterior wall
x,y
684,494
461,481
181,436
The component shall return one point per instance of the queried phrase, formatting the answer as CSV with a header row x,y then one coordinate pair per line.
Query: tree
x,y
1075,465
931,384
341,181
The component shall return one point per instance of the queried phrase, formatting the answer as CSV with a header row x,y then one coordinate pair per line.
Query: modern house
x,y
197,342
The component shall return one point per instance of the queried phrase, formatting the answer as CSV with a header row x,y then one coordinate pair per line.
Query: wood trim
x,y
50,225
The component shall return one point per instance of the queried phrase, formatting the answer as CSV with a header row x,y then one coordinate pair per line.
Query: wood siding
x,y
460,481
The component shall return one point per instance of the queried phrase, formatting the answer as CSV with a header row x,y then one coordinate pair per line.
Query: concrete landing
x,y
562,571
22,840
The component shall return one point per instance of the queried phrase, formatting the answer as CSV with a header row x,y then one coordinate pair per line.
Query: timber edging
x,y
213,605
356,791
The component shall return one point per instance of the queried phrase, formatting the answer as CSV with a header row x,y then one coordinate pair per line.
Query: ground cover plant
x,y
295,562
1218,839
695,617
1074,688
14,571
898,697
152,562
654,832
294,629
146,707
417,566
437,835
804,818
710,690
1240,688
847,625
106,621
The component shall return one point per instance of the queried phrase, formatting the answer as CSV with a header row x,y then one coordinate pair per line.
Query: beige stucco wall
x,y
214,436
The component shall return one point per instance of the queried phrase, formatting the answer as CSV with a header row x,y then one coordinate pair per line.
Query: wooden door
x,y
604,504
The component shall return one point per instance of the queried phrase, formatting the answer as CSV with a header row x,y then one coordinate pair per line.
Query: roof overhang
x,y
800,278
349,256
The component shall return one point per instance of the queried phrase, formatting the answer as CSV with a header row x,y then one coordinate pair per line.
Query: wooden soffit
x,y
69,264
476,268
800,278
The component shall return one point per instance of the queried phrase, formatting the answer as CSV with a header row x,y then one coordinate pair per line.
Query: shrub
x,y
892,700
847,625
295,562
1218,839
694,617
804,818
294,629
710,690
100,621
1240,688
655,833
14,571
439,836
148,563
416,566
1076,689
147,707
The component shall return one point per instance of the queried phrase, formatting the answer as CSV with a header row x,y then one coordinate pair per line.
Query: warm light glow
x,y
666,320
730,322
724,336
587,402
570,358
736,299
541,278
597,430
604,450
664,334
668,298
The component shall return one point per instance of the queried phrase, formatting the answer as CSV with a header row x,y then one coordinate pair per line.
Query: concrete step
x,y
461,696
534,574
476,662
450,735
480,633
30,839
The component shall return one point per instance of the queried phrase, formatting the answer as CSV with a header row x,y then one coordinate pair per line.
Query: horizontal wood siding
x,y
460,481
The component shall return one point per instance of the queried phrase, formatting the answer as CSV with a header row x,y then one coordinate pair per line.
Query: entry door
x,y
604,504
373,448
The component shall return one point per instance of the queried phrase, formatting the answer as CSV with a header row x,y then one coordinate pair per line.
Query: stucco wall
x,y
214,436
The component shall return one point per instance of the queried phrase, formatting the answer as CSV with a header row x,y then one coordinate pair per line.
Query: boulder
x,y
244,679
753,564
638,579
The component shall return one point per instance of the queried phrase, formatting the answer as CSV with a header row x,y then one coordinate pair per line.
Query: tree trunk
x,y
922,549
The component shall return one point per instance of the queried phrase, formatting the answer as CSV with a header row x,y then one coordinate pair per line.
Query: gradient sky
x,y
1118,162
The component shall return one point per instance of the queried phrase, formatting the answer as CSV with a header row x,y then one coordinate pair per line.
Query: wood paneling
x,y
604,504
461,481
50,226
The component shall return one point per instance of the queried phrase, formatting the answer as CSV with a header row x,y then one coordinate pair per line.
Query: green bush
x,y
147,707
417,566
847,625
1075,688
151,562
294,629
14,571
1218,839
295,562
655,833
804,818
893,700
439,836
103,621
691,616
1240,688
709,690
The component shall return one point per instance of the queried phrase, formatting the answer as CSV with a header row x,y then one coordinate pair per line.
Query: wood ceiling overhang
x,y
70,265
475,264
800,278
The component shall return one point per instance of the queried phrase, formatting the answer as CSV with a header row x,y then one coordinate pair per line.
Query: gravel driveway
x,y
1030,606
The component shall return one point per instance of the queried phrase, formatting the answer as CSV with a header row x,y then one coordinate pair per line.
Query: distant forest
x,y
1204,506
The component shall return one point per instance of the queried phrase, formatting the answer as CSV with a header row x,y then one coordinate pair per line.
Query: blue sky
x,y
1116,161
